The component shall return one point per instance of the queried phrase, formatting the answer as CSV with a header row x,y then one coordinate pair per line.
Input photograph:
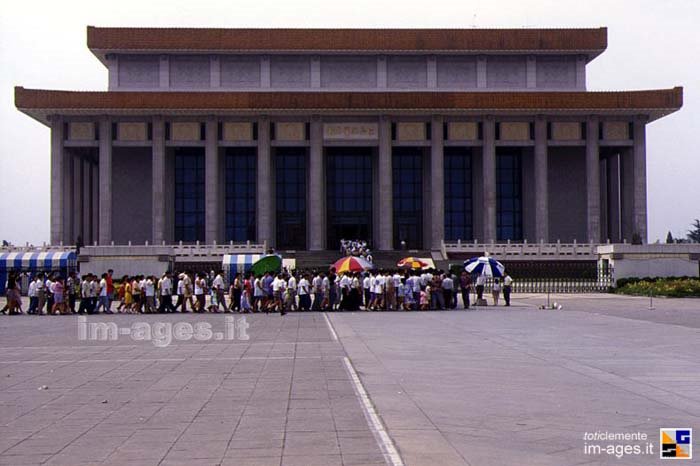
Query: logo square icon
x,y
676,443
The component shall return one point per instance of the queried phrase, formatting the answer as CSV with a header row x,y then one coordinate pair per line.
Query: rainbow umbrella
x,y
411,263
352,264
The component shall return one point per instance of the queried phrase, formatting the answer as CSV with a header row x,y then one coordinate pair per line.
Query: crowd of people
x,y
355,247
272,292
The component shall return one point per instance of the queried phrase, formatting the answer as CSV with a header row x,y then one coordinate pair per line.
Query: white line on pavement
x,y
385,442
330,327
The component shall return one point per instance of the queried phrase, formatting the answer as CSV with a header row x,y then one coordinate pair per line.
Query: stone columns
x,y
437,183
317,204
264,184
640,178
57,162
159,180
211,175
386,207
105,182
593,179
489,179
541,181
76,195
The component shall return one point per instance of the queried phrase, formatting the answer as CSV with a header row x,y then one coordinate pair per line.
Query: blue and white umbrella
x,y
484,265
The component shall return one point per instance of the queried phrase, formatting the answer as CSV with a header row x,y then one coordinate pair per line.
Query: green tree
x,y
694,232
669,238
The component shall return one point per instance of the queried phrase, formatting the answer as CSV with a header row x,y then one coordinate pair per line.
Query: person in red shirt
x,y
110,290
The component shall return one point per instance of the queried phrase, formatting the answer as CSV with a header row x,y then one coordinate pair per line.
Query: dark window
x,y
509,208
349,194
189,194
240,193
407,167
290,193
458,194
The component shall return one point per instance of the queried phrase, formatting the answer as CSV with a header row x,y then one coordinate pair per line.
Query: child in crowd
x,y
425,299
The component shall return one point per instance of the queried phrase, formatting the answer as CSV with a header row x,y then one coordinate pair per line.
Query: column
x,y
531,72
264,184
76,194
265,72
432,72
386,208
593,179
69,235
317,204
489,179
215,72
211,174
164,72
316,71
381,72
640,178
105,182
159,179
95,204
541,182
437,183
481,78
57,161
90,235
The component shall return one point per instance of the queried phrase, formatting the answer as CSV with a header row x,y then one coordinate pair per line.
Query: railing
x,y
525,250
601,282
206,250
43,248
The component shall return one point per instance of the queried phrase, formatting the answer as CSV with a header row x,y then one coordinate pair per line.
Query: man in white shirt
x,y
150,291
220,291
258,294
344,292
366,284
304,294
447,290
33,300
507,287
292,290
317,288
166,294
480,283
104,301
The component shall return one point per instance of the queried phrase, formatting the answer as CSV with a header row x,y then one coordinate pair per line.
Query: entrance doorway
x,y
348,194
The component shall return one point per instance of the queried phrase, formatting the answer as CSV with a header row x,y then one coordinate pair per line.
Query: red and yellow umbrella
x,y
411,263
352,264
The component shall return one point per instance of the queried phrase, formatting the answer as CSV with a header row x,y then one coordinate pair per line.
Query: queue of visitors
x,y
355,247
283,292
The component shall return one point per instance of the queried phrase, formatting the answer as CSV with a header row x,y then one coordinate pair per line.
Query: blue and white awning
x,y
37,260
240,262
484,265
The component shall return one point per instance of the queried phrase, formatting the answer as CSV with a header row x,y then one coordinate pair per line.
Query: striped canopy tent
x,y
239,263
45,261
31,261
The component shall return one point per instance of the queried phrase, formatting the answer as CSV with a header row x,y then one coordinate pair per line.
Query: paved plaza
x,y
494,386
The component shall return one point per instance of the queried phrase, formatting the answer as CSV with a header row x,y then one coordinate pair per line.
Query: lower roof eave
x,y
44,115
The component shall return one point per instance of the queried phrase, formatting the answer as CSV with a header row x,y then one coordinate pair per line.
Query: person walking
x,y
465,284
447,289
507,286
103,299
292,289
219,291
496,291
166,294
480,283
304,294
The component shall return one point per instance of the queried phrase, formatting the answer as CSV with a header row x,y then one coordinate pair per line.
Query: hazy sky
x,y
651,44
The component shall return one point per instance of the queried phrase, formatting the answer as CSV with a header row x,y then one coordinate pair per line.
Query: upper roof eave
x,y
101,41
